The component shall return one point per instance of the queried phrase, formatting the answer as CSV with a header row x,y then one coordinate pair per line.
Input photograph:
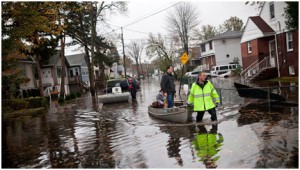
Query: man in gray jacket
x,y
167,86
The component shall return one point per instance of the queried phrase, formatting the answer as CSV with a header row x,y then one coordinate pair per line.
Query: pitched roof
x,y
76,59
53,60
261,24
225,35
228,34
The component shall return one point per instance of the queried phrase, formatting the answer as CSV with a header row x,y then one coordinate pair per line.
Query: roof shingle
x,y
261,24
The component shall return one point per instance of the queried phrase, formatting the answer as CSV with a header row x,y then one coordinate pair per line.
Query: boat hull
x,y
179,115
114,98
249,92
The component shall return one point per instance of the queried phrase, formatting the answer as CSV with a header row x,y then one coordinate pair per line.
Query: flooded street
x,y
122,135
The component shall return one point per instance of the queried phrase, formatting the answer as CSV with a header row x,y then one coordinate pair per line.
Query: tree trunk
x,y
91,68
102,76
37,55
101,70
138,70
63,67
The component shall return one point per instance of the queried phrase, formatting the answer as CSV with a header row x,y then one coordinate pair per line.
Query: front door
x,y
272,53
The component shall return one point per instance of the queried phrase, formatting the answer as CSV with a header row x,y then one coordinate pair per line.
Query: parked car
x,y
121,82
192,73
221,69
195,74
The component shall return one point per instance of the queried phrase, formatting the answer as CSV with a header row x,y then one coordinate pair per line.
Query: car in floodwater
x,y
119,82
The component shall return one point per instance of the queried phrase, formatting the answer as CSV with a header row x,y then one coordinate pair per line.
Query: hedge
x,y
26,103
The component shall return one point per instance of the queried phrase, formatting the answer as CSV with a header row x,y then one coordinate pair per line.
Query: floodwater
x,y
249,134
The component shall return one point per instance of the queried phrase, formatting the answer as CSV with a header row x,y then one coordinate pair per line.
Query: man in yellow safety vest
x,y
203,95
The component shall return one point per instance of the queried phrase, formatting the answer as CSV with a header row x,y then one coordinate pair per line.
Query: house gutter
x,y
276,46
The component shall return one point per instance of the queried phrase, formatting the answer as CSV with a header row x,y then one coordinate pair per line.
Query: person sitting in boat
x,y
160,100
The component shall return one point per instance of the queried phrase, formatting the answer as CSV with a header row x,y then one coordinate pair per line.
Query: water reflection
x,y
207,145
123,135
277,128
176,135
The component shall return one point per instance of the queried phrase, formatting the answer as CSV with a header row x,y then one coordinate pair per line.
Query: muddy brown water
x,y
250,134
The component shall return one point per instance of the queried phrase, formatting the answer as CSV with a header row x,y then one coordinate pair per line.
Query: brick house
x,y
268,48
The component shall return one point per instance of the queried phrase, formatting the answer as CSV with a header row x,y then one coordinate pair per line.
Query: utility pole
x,y
123,51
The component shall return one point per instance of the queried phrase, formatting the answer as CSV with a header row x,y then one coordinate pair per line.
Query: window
x,y
224,68
272,10
71,73
58,72
249,46
23,70
76,71
203,48
210,45
84,71
291,70
289,41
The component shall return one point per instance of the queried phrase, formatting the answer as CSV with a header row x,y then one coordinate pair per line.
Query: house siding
x,y
279,15
30,75
251,32
226,47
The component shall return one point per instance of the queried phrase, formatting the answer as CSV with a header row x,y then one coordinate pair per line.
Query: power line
x,y
151,15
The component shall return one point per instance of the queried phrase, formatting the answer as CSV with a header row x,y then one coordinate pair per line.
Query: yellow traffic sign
x,y
184,58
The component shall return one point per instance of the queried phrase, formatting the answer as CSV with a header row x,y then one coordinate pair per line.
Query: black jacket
x,y
167,84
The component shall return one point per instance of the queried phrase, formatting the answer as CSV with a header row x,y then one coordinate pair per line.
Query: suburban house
x,y
28,71
51,75
78,73
269,49
195,56
222,49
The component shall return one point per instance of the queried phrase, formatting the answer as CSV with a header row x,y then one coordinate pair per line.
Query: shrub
x,y
68,97
238,70
78,94
61,99
35,102
72,95
18,104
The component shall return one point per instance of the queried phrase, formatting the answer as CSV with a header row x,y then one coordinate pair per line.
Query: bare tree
x,y
135,51
181,20
161,50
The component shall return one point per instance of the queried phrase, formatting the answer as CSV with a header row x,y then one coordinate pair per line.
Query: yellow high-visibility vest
x,y
203,99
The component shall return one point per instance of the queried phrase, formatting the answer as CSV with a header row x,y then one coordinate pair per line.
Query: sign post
x,y
184,58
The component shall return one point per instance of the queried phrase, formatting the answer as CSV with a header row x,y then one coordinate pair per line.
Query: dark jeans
x,y
170,98
212,113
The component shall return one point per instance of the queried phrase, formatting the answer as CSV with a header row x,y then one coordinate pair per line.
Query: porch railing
x,y
255,68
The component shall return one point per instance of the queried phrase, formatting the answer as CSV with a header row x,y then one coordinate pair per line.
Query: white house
x,y
51,74
221,49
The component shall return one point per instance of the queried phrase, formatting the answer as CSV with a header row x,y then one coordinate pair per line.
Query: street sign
x,y
184,58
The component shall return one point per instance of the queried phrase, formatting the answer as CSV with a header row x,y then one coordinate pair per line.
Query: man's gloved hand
x,y
217,104
189,104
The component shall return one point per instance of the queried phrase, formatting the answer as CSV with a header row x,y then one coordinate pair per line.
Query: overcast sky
x,y
210,12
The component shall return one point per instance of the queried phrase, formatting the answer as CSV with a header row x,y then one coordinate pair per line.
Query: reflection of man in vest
x,y
207,145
